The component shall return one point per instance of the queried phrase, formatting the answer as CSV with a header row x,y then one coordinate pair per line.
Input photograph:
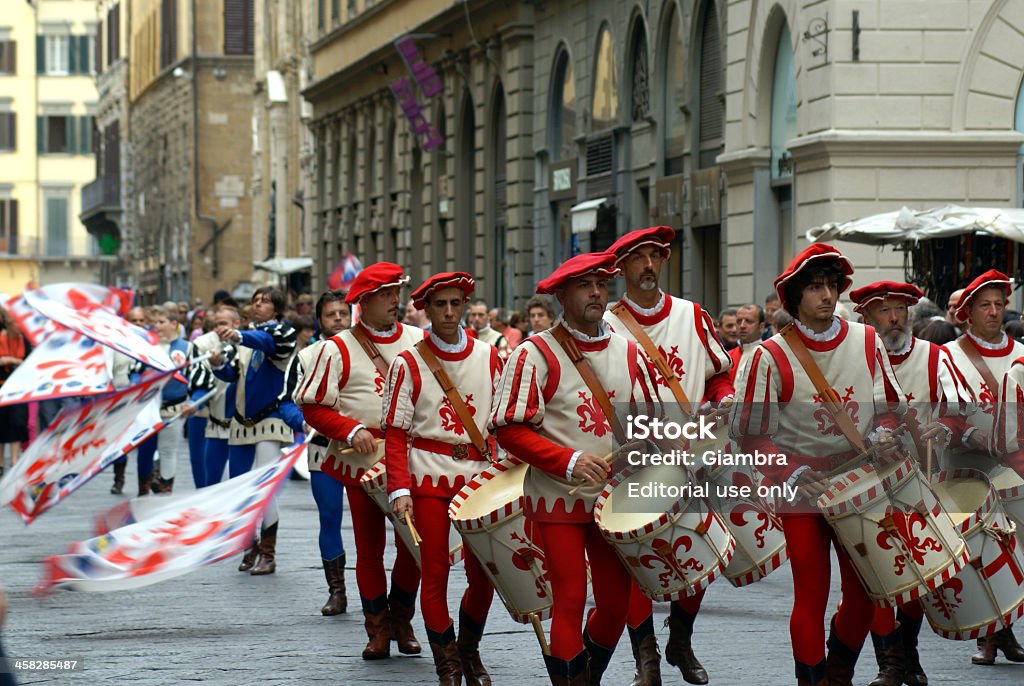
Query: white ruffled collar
x,y
985,344
904,349
386,333
647,311
823,337
452,348
603,332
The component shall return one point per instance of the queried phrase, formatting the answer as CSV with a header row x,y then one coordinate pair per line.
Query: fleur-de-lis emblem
x,y
987,400
378,383
826,424
674,362
906,527
592,419
450,419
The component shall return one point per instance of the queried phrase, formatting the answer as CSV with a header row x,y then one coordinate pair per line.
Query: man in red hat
x,y
984,353
679,337
340,396
940,399
783,412
435,424
546,413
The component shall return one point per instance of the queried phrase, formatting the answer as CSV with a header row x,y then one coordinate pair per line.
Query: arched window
x,y
604,104
563,109
499,197
783,126
465,181
640,99
712,111
672,88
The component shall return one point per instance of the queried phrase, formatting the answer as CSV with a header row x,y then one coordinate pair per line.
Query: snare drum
x,y
899,539
1010,489
672,544
760,542
988,594
375,483
488,512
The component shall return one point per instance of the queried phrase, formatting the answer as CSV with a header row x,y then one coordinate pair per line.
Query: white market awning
x,y
584,215
914,225
285,265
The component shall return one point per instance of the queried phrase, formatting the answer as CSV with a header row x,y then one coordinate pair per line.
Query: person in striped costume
x,y
340,396
940,400
684,335
547,414
781,411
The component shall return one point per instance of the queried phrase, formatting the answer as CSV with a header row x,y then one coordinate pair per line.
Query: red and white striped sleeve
x,y
646,399
889,399
323,378
519,394
756,409
717,360
1007,437
400,394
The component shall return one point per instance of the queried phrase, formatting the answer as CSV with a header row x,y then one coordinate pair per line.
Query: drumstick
x,y
412,530
539,630
928,459
583,482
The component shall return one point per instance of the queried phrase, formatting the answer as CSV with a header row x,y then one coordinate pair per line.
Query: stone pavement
x,y
220,626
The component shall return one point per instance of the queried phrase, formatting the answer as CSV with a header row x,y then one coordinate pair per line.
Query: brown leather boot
x,y
840,661
646,654
403,607
144,482
334,571
574,672
889,654
162,485
378,629
446,657
910,629
268,542
119,468
249,559
1006,642
679,650
468,645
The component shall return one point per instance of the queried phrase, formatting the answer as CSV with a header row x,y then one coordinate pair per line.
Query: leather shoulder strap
x,y
657,359
370,349
565,340
829,397
970,349
452,393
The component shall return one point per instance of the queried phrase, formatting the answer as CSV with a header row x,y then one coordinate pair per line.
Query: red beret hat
x,y
993,277
880,290
373,278
815,251
460,280
660,236
603,263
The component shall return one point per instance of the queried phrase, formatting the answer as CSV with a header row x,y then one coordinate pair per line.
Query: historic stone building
x,y
561,125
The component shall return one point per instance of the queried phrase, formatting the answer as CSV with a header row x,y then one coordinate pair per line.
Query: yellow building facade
x,y
47,104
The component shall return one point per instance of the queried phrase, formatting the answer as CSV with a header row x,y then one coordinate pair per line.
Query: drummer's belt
x,y
222,423
320,440
456,451
259,416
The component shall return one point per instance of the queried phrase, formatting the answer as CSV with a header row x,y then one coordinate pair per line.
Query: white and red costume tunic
x,y
1008,433
685,336
430,456
340,393
545,414
741,356
779,411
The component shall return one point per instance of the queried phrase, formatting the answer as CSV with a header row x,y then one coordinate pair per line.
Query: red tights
x,y
808,538
884,621
567,547
370,531
433,524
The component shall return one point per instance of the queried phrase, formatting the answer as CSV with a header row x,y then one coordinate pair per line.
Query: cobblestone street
x,y
222,627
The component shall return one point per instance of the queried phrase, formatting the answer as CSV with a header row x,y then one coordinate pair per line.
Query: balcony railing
x,y
102,195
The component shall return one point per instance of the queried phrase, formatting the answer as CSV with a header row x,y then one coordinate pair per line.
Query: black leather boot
x,y
646,654
679,649
468,645
574,672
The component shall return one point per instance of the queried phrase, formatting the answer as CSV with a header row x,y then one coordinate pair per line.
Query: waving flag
x,y
344,273
79,444
78,296
65,364
103,325
177,535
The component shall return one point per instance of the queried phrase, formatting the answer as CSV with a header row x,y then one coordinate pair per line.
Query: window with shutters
x,y
113,34
97,52
8,57
238,29
672,86
168,32
641,101
8,131
605,98
57,217
57,55
55,134
9,226
563,109
87,53
712,110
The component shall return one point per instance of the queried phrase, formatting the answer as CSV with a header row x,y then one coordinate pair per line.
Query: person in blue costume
x,y
265,418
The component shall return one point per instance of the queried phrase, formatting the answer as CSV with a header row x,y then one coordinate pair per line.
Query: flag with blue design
x,y
344,273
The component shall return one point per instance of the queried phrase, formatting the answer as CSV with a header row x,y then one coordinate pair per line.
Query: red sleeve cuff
x,y
717,387
396,459
328,422
529,446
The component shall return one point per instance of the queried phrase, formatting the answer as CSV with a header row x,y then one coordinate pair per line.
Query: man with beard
x,y
340,397
984,353
939,398
679,337
750,325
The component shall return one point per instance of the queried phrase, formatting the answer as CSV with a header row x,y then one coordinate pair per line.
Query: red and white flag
x,y
103,325
177,535
66,364
79,444
78,296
